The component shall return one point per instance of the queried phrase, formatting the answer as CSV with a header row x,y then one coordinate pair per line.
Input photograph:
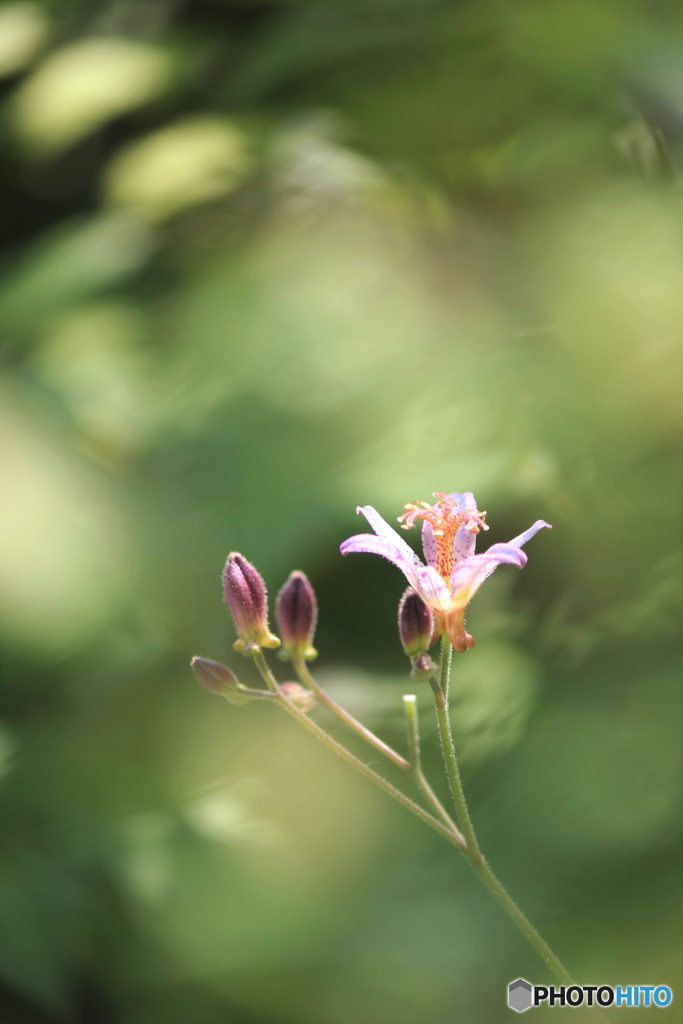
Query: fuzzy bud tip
x,y
297,614
245,596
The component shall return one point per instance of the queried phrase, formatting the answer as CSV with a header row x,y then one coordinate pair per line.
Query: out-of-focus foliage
x,y
81,87
23,28
188,163
265,262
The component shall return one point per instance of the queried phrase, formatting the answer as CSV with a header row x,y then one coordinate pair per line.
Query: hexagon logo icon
x,y
520,995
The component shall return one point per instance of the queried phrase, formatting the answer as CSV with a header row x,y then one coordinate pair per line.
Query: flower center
x,y
445,519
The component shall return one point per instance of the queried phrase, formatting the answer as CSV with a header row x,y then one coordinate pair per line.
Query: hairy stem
x,y
440,687
408,766
533,937
413,729
452,836
255,694
331,704
468,847
472,852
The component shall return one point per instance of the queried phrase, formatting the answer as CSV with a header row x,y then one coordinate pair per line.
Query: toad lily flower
x,y
453,573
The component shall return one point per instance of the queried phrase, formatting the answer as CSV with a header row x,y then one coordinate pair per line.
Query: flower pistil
x,y
445,519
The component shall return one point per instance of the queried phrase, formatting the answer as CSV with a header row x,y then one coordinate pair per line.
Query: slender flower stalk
x,y
472,852
408,766
480,865
441,687
304,674
454,837
297,614
413,729
302,699
533,937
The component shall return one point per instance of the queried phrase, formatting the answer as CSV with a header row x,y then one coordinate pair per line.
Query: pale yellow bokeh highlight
x,y
190,162
614,279
23,30
63,553
82,86
90,356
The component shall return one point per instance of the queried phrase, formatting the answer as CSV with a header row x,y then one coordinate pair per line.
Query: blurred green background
x,y
264,262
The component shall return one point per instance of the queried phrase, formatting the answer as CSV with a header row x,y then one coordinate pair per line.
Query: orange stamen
x,y
446,520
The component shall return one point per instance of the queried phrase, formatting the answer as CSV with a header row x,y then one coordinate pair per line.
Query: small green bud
x,y
219,679
423,666
300,698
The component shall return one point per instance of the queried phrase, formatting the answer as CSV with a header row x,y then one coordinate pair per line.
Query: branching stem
x,y
324,698
413,728
467,844
454,837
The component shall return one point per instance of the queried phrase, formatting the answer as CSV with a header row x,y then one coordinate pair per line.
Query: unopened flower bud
x,y
300,698
415,623
297,614
423,666
245,596
219,679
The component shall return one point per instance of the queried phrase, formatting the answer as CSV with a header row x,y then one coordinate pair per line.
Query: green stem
x,y
408,766
413,728
533,937
468,848
453,837
255,694
440,688
331,704
506,901
476,859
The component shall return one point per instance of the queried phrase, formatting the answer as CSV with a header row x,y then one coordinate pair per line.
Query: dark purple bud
x,y
415,623
245,596
297,614
219,679
302,699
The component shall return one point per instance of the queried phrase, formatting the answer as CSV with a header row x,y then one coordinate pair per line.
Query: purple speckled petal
x,y
517,542
465,502
469,575
463,544
431,587
368,543
386,532
428,543
379,525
